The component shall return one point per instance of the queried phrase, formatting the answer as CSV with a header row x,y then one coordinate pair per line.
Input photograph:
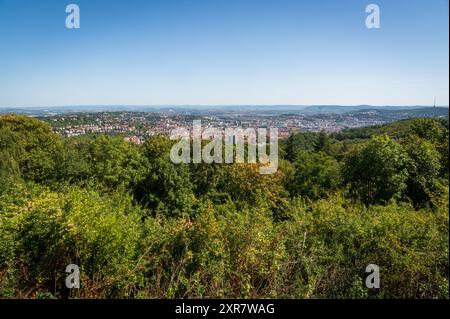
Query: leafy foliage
x,y
378,172
140,226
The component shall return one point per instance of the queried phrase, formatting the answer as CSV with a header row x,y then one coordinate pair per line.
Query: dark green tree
x,y
424,168
116,162
323,142
32,145
378,172
300,142
316,174
166,188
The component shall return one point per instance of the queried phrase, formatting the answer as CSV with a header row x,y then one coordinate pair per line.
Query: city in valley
x,y
136,123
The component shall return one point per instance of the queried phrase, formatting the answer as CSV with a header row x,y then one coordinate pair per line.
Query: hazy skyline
x,y
223,52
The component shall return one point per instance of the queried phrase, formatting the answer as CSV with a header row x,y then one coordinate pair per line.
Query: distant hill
x,y
341,109
395,129
416,112
198,109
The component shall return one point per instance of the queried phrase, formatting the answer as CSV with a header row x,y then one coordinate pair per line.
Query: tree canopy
x,y
140,226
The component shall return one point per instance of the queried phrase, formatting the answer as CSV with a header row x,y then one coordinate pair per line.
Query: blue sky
x,y
223,52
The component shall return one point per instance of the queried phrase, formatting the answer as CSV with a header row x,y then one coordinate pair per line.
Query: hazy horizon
x,y
218,105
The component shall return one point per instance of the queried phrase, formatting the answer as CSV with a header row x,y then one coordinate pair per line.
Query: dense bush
x,y
48,231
